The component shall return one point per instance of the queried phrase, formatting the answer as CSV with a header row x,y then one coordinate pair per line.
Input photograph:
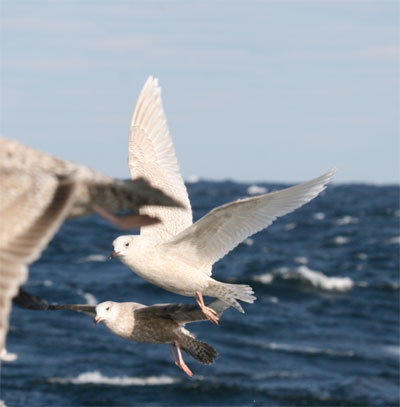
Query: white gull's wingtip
x,y
330,174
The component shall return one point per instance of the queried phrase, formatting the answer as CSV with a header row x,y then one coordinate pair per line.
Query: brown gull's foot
x,y
131,221
179,360
207,311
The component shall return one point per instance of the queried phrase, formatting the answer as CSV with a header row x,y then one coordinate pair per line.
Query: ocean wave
x,y
384,285
193,179
248,241
256,190
306,349
340,240
96,377
301,259
90,298
289,226
5,356
319,216
392,350
92,258
314,278
347,220
393,240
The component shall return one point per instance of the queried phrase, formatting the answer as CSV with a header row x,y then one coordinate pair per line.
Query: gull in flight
x,y
38,192
176,254
160,323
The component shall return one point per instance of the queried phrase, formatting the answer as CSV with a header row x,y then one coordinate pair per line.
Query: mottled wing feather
x,y
181,313
221,230
33,209
152,155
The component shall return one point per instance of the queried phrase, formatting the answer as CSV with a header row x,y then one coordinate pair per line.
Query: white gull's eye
x,y
126,244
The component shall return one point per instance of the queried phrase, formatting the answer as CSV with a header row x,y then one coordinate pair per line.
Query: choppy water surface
x,y
323,332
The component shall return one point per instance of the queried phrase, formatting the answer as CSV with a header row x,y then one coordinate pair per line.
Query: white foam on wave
x,y
340,240
90,298
393,240
301,260
92,258
96,377
314,278
319,216
192,179
347,220
6,356
392,350
305,349
289,226
362,256
248,242
256,190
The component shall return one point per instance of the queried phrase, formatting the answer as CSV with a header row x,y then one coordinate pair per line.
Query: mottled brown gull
x,y
158,324
176,254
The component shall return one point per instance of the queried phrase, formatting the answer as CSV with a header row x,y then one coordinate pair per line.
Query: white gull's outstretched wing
x,y
152,155
32,208
221,230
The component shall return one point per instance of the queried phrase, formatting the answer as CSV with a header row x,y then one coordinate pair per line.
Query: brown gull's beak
x,y
113,254
96,320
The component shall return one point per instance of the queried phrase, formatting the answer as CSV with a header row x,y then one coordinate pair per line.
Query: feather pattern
x,y
222,229
152,155
33,209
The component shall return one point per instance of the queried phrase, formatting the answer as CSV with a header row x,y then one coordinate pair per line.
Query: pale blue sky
x,y
253,90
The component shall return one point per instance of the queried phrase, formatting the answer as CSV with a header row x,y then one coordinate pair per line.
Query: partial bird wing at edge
x,y
35,208
152,156
221,230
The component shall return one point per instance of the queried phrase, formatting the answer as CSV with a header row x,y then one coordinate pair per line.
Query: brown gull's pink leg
x,y
207,311
179,360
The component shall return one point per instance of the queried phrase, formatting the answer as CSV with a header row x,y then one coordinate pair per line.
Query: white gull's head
x,y
122,245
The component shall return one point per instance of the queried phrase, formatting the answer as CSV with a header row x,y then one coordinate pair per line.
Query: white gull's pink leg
x,y
207,311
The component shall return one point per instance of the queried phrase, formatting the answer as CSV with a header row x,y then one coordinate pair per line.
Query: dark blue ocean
x,y
324,330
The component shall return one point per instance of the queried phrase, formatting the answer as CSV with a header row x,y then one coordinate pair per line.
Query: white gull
x,y
176,254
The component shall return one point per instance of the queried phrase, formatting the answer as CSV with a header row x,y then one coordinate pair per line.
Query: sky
x,y
254,91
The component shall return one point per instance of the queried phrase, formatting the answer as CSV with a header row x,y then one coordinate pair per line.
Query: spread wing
x,y
32,302
32,208
152,156
222,229
94,187
181,313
